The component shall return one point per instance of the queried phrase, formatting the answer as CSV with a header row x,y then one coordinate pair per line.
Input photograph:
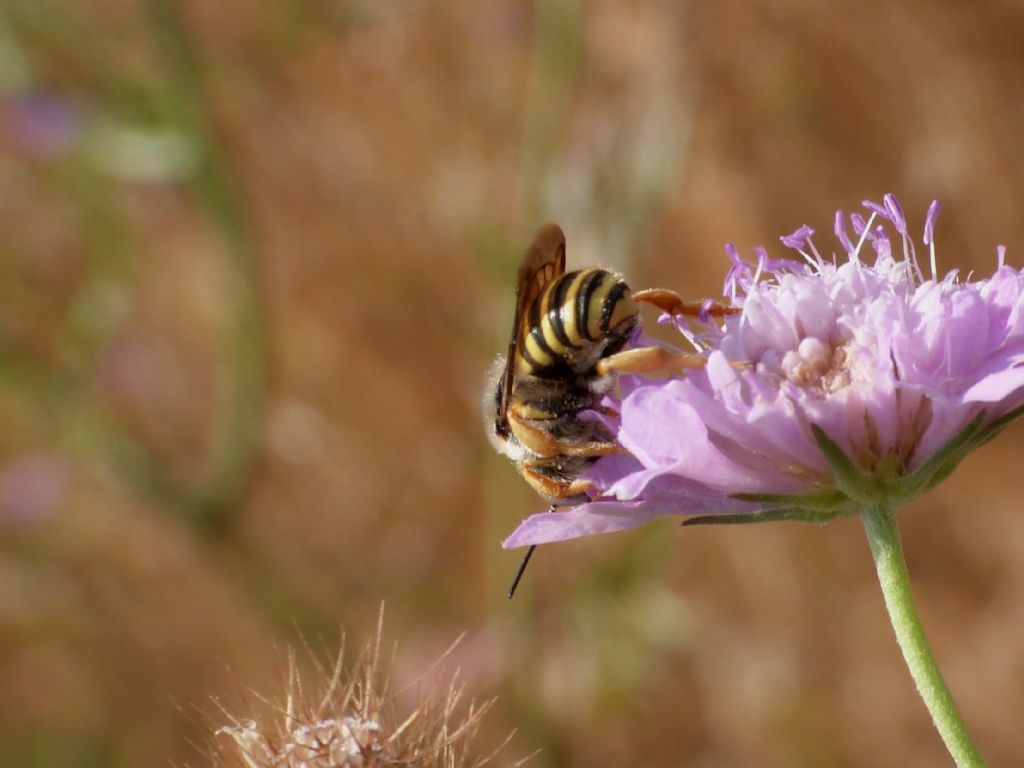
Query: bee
x,y
567,346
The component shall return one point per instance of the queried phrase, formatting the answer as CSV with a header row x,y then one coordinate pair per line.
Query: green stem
x,y
238,431
884,538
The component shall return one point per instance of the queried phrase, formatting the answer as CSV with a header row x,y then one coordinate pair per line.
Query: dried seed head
x,y
348,719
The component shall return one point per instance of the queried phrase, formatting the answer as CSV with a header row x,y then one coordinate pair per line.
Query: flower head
x,y
347,719
844,381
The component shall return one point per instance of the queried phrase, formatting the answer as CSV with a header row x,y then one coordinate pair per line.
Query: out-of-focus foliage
x,y
254,259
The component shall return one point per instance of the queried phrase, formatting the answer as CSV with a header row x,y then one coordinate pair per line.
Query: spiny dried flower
x,y
840,384
346,742
349,722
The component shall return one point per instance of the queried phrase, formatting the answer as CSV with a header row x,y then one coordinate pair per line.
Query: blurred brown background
x,y
254,260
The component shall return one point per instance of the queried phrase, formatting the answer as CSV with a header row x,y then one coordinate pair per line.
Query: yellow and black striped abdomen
x,y
577,314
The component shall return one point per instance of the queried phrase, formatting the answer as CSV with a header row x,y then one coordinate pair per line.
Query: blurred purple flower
x,y
32,488
42,124
840,384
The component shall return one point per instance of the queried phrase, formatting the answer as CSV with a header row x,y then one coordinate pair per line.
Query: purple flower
x,y
41,124
840,384
32,488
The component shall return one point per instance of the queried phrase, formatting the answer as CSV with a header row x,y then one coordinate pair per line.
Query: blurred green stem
x,y
238,434
553,72
884,538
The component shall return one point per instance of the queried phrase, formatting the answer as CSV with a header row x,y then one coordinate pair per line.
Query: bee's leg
x,y
537,441
648,360
542,443
673,304
550,487
593,448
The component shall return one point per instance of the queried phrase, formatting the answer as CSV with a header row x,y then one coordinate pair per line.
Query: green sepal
x,y
976,441
998,425
941,463
854,484
858,489
790,514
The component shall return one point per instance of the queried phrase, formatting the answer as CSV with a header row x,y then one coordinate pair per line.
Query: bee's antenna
x,y
522,569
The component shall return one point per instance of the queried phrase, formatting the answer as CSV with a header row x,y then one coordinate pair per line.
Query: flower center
x,y
817,366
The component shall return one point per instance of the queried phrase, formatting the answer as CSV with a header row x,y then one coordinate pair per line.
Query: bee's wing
x,y
543,263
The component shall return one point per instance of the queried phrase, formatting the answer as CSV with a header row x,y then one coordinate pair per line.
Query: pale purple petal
x,y
610,470
584,520
609,516
966,332
947,419
661,429
1006,359
997,387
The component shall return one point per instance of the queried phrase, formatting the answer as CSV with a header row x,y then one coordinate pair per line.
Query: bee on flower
x,y
845,385
867,378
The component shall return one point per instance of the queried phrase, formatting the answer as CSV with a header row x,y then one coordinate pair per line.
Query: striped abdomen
x,y
579,318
